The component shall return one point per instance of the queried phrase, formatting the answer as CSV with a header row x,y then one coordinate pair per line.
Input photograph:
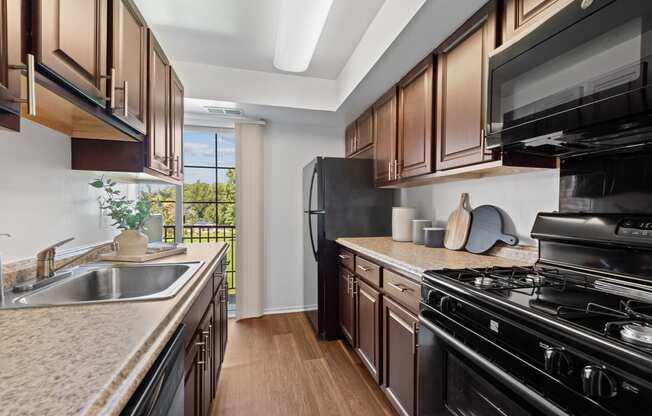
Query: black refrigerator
x,y
339,200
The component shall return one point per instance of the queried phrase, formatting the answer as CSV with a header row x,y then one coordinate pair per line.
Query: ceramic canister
x,y
417,230
402,223
434,237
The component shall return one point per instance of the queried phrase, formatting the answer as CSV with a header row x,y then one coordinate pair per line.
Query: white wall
x,y
42,200
520,197
287,149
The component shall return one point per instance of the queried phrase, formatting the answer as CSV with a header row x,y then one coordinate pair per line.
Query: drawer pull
x,y
398,287
344,257
364,269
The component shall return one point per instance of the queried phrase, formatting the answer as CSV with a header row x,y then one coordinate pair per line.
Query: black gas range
x,y
571,335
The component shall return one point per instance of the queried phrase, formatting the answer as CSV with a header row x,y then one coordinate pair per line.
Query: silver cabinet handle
x,y
364,269
202,352
398,287
31,84
344,257
125,99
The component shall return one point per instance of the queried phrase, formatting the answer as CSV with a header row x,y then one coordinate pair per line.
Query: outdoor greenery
x,y
126,214
199,213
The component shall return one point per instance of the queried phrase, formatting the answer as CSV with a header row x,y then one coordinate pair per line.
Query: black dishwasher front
x,y
161,392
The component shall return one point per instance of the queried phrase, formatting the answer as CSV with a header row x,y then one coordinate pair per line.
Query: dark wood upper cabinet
x,y
70,43
365,130
158,130
399,356
349,139
367,322
385,118
176,125
521,16
128,63
462,93
415,121
347,306
10,60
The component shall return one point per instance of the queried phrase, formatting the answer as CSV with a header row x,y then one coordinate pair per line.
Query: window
x,y
208,194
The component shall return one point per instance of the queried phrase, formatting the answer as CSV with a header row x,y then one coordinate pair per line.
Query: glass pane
x,y
199,148
226,213
226,185
199,185
203,214
226,149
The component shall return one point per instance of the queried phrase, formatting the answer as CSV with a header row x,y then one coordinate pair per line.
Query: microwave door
x,y
592,71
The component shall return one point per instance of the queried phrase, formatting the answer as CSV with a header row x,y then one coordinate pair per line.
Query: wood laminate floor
x,y
274,365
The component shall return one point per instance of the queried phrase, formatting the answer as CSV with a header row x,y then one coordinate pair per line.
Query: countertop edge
x,y
412,271
120,389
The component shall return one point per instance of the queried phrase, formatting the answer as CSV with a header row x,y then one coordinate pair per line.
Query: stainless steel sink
x,y
111,283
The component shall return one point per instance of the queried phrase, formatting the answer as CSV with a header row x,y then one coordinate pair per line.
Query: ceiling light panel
x,y
299,27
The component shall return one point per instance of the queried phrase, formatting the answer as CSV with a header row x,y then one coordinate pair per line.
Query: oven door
x,y
454,379
580,82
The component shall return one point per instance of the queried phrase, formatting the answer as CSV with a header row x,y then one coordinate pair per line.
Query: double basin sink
x,y
107,282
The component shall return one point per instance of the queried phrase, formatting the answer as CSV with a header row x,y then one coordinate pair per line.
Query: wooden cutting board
x,y
459,222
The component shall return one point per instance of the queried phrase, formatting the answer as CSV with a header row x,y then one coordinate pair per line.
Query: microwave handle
x,y
491,368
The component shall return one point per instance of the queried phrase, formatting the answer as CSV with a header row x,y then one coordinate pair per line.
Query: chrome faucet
x,y
2,276
45,259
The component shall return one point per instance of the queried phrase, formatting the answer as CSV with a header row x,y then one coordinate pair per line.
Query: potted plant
x,y
128,216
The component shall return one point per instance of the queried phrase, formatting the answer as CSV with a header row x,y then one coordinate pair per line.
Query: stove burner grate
x,y
503,280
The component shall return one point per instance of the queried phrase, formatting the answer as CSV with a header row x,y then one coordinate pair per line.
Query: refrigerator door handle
x,y
310,213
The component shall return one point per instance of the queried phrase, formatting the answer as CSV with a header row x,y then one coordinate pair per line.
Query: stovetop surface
x,y
618,310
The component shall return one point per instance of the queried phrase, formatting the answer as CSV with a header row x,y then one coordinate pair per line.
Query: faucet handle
x,y
49,251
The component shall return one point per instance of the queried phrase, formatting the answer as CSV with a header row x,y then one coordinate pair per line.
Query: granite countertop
x,y
415,259
89,359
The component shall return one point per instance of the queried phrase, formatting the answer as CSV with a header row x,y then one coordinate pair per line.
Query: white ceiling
x,y
223,50
241,33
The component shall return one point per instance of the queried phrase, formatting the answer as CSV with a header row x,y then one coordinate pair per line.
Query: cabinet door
x,y
367,319
176,125
347,323
70,40
521,16
461,102
349,139
385,123
206,376
225,317
158,130
128,59
415,121
365,128
400,356
10,54
217,336
192,377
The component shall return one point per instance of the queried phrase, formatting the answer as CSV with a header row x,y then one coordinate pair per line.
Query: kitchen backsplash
x,y
42,200
520,197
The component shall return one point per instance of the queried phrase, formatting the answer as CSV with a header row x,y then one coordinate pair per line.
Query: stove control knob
x,y
445,304
597,383
557,362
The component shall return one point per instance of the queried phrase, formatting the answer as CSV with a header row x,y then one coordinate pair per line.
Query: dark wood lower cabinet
x,y
206,323
367,322
399,356
347,305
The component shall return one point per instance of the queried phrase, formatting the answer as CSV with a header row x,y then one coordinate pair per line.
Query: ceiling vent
x,y
225,111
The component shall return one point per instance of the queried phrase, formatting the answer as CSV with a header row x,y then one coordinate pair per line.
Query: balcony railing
x,y
209,234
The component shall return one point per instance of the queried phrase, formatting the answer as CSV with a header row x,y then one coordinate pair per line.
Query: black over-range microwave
x,y
579,83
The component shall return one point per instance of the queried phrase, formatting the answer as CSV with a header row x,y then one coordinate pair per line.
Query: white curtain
x,y
249,220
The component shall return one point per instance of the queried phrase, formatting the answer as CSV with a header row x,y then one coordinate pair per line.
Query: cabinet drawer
x,y
402,289
347,259
368,271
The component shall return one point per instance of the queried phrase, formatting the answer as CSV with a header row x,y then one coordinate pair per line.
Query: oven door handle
x,y
539,402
